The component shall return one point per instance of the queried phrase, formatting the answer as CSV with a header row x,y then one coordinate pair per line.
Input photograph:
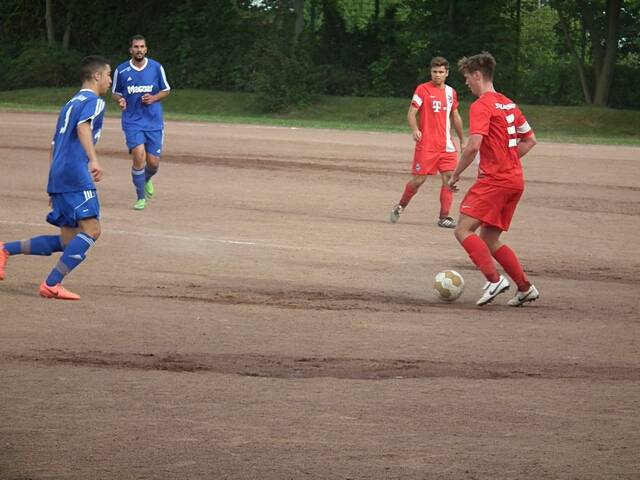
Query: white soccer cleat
x,y
447,222
520,298
492,290
395,213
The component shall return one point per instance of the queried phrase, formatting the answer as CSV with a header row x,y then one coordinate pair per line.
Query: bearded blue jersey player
x,y
74,167
139,85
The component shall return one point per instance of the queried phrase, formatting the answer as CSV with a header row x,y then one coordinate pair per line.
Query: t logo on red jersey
x,y
437,105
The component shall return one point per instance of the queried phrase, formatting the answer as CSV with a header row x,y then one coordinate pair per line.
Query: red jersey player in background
x,y
499,132
437,105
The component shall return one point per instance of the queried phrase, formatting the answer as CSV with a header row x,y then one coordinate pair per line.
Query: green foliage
x,y
39,65
283,78
203,43
545,72
347,47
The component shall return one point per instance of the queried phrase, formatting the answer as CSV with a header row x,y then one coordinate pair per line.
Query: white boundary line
x,y
169,236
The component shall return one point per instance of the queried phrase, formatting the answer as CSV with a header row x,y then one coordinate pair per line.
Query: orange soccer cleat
x,y
57,291
4,256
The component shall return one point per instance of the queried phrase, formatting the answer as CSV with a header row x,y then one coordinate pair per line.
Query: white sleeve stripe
x,y
100,104
115,81
524,128
417,100
510,118
164,79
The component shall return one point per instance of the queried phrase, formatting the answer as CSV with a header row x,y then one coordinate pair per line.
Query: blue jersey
x,y
132,83
69,171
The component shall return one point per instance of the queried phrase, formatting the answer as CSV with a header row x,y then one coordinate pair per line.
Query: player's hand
x,y
122,103
417,136
96,171
148,99
452,182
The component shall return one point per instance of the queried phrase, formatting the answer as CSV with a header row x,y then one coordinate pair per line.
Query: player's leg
x,y
135,140
480,255
410,189
475,247
150,169
446,199
506,257
78,236
139,158
154,141
41,245
419,173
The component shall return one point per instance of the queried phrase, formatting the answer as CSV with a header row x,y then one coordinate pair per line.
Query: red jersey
x,y
434,107
501,123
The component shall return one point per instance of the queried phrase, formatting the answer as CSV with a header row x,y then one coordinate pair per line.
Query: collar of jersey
x,y
146,61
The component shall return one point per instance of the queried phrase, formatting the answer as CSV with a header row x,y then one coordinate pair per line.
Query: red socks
x,y
446,199
481,257
507,258
409,192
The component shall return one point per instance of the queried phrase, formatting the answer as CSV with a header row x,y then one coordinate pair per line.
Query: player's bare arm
x,y
526,144
456,119
413,123
85,135
468,154
148,99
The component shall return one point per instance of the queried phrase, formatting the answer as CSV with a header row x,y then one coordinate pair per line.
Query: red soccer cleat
x,y
57,291
4,256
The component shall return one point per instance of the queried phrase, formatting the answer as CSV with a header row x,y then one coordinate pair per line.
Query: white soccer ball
x,y
448,285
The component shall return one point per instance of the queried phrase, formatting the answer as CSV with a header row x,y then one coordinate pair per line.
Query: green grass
x,y
563,124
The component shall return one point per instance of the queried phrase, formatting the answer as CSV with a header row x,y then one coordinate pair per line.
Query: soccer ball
x,y
448,285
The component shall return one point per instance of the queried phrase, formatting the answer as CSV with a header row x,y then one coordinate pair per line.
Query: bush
x,y
624,90
284,79
40,65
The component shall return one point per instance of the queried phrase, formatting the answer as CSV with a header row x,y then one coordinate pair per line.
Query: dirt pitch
x,y
263,320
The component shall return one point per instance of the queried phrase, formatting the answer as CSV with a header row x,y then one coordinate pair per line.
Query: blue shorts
x,y
151,139
70,207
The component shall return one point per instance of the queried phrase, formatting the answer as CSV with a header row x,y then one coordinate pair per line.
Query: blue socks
x,y
73,255
149,172
138,177
43,245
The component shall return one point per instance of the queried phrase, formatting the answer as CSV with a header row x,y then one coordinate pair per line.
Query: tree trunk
x,y
298,27
604,77
48,15
516,60
66,39
576,57
451,15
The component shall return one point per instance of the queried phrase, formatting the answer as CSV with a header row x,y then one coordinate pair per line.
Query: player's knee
x,y
460,232
153,163
417,181
92,229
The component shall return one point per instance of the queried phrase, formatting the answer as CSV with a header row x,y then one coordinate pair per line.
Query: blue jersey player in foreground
x,y
74,168
138,87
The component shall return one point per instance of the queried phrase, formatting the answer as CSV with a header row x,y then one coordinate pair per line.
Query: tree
x,y
600,22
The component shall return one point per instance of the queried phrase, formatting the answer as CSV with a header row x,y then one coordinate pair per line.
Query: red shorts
x,y
430,163
492,205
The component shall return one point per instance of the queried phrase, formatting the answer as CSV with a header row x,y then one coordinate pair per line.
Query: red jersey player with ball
x,y
436,105
500,134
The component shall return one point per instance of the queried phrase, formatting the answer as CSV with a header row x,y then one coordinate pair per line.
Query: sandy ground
x,y
262,319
